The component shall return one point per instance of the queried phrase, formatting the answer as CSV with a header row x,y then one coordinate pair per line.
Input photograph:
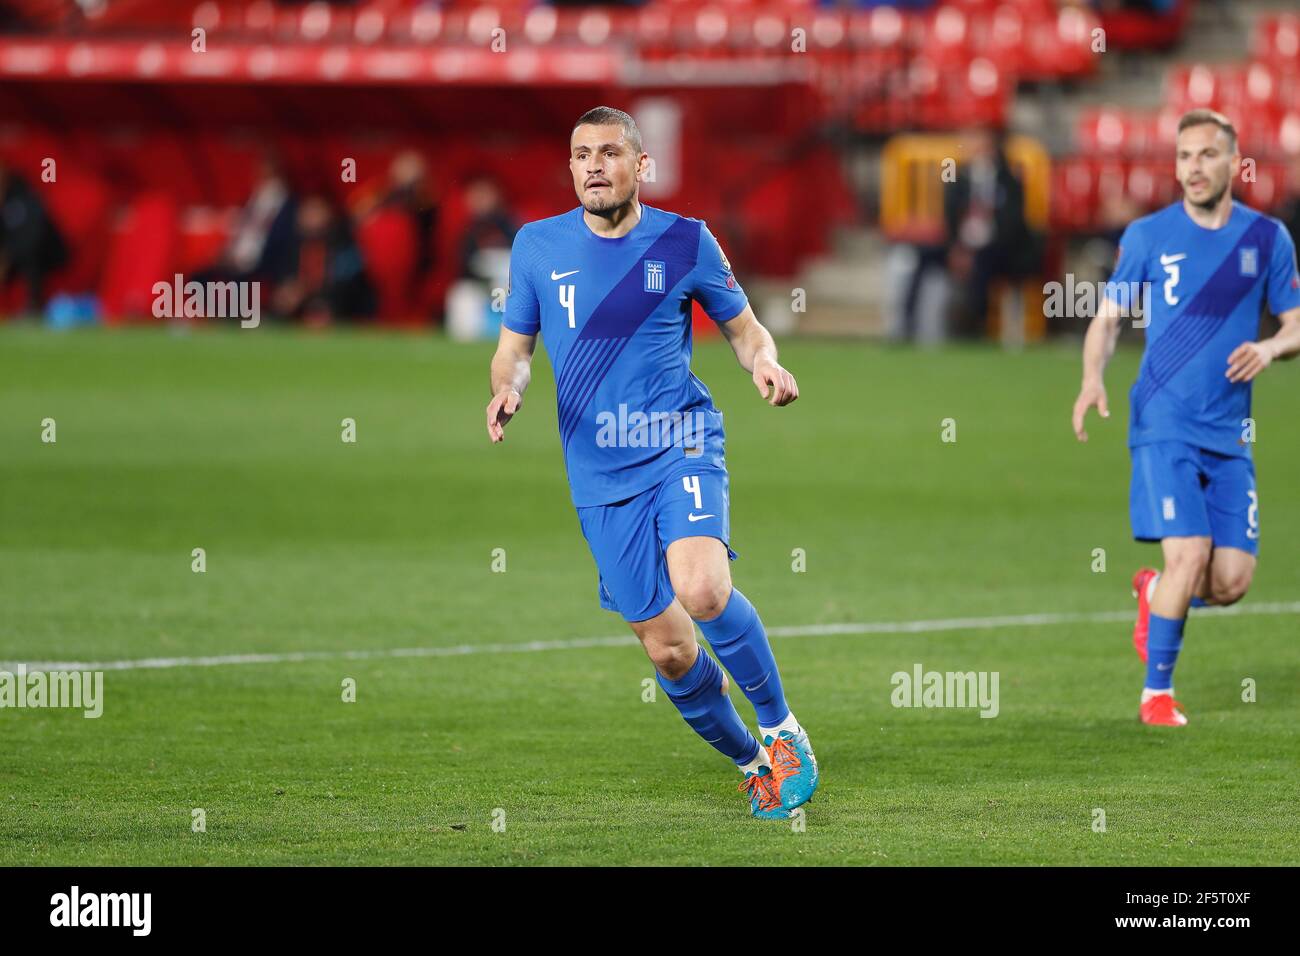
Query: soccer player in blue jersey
x,y
609,286
1207,265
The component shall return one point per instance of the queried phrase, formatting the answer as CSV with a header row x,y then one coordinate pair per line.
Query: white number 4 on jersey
x,y
566,301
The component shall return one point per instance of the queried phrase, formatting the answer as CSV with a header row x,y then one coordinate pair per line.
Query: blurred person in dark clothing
x,y
491,229
30,244
988,237
1289,212
1158,7
261,244
327,281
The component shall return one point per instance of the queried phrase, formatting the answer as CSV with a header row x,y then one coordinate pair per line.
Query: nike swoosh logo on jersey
x,y
695,517
1170,260
560,275
1164,667
760,683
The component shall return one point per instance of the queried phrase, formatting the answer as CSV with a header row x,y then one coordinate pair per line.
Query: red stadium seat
x,y
1003,35
1164,133
1277,41
202,237
1192,87
1059,45
1074,194
142,252
1141,184
1104,131
388,245
1288,135
947,38
983,95
1267,188
1138,30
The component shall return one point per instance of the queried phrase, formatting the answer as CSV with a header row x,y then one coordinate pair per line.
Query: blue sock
x,y
710,713
1199,602
737,637
1163,642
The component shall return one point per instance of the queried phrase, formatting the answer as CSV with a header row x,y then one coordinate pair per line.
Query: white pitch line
x,y
806,630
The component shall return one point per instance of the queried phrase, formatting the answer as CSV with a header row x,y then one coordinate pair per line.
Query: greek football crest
x,y
654,276
1250,262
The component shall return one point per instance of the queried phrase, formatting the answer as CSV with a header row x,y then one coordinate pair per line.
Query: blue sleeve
x,y
1283,278
712,284
523,313
1131,263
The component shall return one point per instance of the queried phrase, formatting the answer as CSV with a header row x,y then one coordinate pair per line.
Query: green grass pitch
x,y
231,442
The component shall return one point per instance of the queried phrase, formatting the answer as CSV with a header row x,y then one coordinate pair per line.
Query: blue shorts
x,y
1179,491
629,538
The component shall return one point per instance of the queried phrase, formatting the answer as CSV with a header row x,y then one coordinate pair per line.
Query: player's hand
x,y
1247,360
1089,396
768,376
500,410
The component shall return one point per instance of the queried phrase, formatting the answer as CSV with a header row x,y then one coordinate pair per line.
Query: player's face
x,y
1206,164
605,168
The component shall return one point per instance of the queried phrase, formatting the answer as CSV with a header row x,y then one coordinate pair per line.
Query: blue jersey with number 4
x,y
615,317
1206,290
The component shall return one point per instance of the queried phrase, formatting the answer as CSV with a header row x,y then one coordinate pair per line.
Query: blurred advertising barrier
x,y
915,169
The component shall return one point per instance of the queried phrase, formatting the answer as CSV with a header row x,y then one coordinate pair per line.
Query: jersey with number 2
x,y
1206,288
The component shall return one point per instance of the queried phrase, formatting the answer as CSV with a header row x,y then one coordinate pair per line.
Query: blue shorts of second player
x,y
629,538
1179,491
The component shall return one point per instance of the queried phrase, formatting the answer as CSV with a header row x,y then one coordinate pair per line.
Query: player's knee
x,y
705,597
1188,562
672,660
1230,588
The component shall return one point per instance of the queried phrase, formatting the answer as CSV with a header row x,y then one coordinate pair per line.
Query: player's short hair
x,y
1203,117
608,116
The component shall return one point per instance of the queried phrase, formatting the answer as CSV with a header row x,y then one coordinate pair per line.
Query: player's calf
x,y
1224,593
735,632
1230,575
700,696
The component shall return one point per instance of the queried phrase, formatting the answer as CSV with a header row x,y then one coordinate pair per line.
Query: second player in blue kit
x,y
1196,276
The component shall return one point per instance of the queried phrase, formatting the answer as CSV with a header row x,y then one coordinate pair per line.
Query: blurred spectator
x,y
261,244
30,244
409,190
327,281
484,263
490,232
1159,7
1289,213
919,269
988,237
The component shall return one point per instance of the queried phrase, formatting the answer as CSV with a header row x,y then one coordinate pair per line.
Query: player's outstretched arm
x,y
1250,358
1098,347
512,368
756,353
